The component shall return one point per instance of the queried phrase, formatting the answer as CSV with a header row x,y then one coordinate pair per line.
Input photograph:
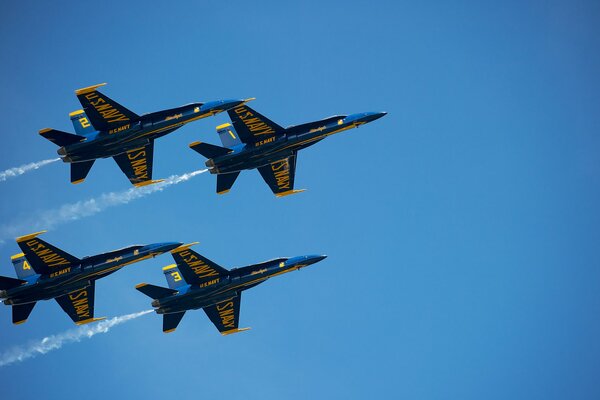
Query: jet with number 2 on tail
x,y
46,272
197,282
107,129
254,141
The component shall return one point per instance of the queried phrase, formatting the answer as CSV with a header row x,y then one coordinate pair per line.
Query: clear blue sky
x,y
462,229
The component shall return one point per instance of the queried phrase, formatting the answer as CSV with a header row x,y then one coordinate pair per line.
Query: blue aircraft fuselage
x,y
192,297
77,277
140,132
254,155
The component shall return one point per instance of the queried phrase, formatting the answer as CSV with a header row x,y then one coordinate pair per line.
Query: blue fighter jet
x,y
46,272
196,282
107,129
254,141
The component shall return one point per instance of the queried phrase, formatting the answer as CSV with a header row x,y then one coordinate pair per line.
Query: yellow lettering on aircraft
x,y
209,283
260,143
281,172
200,268
260,271
176,276
119,129
176,116
84,122
26,265
137,159
61,272
254,124
104,108
226,313
47,256
80,303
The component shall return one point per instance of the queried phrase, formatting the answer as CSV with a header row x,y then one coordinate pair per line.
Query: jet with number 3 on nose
x,y
46,272
107,129
253,141
197,282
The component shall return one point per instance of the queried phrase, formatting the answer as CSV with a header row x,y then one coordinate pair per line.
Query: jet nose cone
x,y
314,259
372,116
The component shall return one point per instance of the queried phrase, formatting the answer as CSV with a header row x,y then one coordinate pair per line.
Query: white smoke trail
x,y
16,171
55,342
73,211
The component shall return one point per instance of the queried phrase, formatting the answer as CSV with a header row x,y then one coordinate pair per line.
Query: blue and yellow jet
x,y
107,129
46,272
197,282
254,141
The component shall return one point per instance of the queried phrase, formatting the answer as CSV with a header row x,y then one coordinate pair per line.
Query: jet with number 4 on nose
x,y
253,141
197,282
107,129
46,272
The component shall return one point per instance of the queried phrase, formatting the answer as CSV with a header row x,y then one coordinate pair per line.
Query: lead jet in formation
x,y
254,141
107,129
46,272
196,282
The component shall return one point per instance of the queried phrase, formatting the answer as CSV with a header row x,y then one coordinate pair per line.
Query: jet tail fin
x,y
9,283
60,138
209,150
155,292
20,312
228,135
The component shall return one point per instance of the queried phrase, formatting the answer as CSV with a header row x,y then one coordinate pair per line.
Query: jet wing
x,y
103,112
197,269
136,164
251,126
44,258
279,175
79,305
225,315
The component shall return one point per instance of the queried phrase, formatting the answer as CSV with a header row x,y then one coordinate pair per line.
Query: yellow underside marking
x,y
139,285
168,267
223,126
29,237
45,130
289,192
88,89
20,322
78,181
169,330
148,182
235,330
183,247
194,144
223,191
17,256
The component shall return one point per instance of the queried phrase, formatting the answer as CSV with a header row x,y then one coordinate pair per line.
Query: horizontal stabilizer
x,y
61,138
170,321
43,257
20,312
155,292
9,283
209,150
